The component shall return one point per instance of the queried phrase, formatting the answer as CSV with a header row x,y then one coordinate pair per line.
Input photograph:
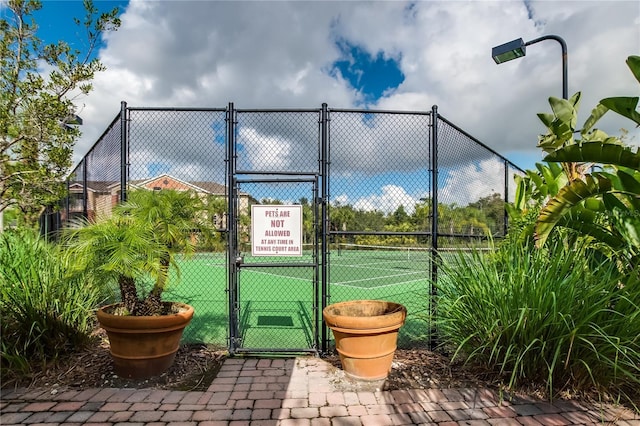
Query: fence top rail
x,y
276,180
379,111
277,110
177,109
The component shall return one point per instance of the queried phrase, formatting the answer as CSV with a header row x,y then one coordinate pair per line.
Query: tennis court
x,y
276,304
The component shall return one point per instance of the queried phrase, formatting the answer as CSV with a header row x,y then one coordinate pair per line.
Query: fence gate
x,y
275,228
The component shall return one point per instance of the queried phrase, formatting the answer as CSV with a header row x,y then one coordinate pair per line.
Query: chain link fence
x,y
365,181
380,212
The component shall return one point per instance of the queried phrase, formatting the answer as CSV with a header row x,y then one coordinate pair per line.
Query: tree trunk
x,y
128,293
152,304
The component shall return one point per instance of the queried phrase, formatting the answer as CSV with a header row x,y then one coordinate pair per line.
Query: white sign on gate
x,y
276,230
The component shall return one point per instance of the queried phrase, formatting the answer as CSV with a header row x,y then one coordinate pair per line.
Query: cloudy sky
x,y
388,55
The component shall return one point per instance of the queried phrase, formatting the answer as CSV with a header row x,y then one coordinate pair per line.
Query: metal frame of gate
x,y
235,260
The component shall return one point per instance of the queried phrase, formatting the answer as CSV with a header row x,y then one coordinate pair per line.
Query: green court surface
x,y
276,303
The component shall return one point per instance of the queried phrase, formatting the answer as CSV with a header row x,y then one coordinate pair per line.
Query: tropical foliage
x,y
46,311
598,193
138,246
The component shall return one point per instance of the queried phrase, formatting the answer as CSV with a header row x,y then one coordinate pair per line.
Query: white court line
x,y
385,276
279,276
365,266
343,283
375,287
346,283
382,277
379,262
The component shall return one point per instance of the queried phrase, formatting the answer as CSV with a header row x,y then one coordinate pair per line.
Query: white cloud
x,y
280,55
388,201
470,182
265,152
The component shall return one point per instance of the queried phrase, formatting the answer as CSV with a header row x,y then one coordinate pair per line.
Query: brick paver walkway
x,y
293,391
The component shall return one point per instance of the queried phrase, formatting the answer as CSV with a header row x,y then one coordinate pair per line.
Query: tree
x,y
308,221
216,212
342,217
39,86
399,216
493,209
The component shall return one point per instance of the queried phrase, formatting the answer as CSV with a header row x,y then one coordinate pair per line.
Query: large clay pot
x,y
366,334
144,346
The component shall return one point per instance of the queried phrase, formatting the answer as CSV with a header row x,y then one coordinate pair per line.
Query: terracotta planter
x,y
144,346
366,334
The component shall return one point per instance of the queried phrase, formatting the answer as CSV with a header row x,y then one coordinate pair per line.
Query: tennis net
x,y
402,253
385,252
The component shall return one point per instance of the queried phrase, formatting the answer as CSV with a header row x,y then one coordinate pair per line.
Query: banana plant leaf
x,y
625,193
597,152
633,62
560,124
631,232
568,197
585,222
554,178
625,106
630,183
521,195
596,115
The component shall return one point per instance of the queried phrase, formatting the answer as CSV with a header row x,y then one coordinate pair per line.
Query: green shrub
x,y
45,311
544,316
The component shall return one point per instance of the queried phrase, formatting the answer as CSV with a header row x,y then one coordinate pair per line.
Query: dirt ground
x,y
196,366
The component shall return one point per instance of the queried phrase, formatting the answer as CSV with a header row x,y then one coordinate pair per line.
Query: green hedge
x,y
552,316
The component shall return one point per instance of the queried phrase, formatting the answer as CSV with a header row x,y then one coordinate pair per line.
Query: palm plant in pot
x,y
137,248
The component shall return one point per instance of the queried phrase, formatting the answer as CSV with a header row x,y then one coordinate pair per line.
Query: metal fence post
x,y
124,150
85,191
67,202
434,224
232,228
324,159
505,222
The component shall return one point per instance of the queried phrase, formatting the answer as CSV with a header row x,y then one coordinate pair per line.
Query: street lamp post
x,y
517,49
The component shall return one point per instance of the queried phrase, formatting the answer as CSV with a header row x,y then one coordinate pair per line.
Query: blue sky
x,y
378,55
55,20
371,74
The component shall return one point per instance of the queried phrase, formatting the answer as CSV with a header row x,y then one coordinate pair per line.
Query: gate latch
x,y
239,260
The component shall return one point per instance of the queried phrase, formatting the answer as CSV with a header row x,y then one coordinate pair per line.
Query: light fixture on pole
x,y
71,120
518,48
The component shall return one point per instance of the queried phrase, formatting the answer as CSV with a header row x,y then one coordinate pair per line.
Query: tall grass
x,y
549,316
45,311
